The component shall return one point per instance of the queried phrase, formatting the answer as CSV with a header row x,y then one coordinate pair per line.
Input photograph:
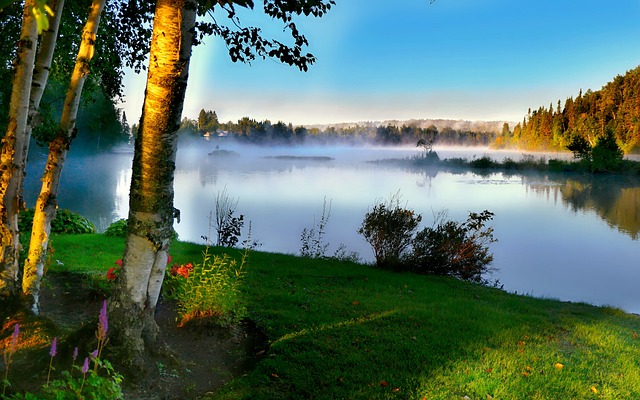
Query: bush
x,y
389,229
228,226
483,162
208,289
453,248
65,222
117,229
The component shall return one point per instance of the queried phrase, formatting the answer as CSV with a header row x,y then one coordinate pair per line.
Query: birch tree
x,y
12,157
46,205
151,196
151,211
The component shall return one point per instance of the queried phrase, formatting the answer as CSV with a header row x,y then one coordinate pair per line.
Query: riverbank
x,y
527,164
342,330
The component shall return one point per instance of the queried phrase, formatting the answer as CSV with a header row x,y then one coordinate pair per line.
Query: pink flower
x,y
54,347
14,339
103,322
85,366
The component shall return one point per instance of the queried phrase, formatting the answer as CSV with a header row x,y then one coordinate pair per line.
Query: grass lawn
x,y
347,331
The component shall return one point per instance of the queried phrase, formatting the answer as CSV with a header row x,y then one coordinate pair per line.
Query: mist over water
x,y
564,237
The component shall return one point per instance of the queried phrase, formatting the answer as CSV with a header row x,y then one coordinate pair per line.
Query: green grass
x,y
342,330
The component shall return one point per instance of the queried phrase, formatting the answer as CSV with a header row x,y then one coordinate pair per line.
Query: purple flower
x,y
53,350
75,353
103,322
94,354
85,366
14,338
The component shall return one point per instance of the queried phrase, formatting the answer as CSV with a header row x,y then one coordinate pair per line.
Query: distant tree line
x,y
614,109
254,131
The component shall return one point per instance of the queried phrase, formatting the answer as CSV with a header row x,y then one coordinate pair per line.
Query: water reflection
x,y
615,199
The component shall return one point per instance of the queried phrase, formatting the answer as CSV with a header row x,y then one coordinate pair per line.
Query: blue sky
x,y
453,59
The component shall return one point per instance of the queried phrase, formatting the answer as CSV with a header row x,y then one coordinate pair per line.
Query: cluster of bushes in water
x,y
603,157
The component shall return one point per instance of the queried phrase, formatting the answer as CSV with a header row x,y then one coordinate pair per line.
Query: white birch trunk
x,y
151,198
12,159
46,205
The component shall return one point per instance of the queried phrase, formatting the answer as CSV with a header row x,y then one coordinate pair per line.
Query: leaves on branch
x,y
245,44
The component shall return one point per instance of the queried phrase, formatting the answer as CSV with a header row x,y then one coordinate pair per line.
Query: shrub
x,y
313,244
509,163
453,248
483,162
228,226
117,229
65,222
389,229
211,288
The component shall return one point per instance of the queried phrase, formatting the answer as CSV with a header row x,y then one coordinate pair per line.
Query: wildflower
x,y
52,353
169,259
85,368
174,269
183,270
8,354
93,354
103,322
75,356
111,274
14,339
119,263
54,347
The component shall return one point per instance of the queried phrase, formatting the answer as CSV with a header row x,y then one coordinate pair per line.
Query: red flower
x,y
174,269
189,266
111,274
183,270
119,263
169,259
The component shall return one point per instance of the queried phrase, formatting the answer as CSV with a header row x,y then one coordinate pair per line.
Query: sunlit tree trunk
x,y
43,64
12,159
151,209
45,209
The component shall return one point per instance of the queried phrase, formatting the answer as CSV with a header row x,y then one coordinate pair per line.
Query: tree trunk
x,y
43,64
12,159
151,209
46,205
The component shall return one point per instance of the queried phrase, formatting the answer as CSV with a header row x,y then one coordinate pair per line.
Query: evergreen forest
x,y
614,109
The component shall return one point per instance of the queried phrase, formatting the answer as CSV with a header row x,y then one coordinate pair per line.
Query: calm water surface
x,y
569,238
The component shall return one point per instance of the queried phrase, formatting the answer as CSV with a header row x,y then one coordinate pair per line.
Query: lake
x,y
568,237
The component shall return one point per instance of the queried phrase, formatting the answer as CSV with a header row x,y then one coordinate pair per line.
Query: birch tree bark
x,y
151,209
12,157
46,205
43,65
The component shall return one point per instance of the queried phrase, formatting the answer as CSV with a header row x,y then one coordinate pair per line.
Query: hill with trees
x,y
614,110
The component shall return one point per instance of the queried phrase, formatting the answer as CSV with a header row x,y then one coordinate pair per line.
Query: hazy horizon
x,y
453,59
